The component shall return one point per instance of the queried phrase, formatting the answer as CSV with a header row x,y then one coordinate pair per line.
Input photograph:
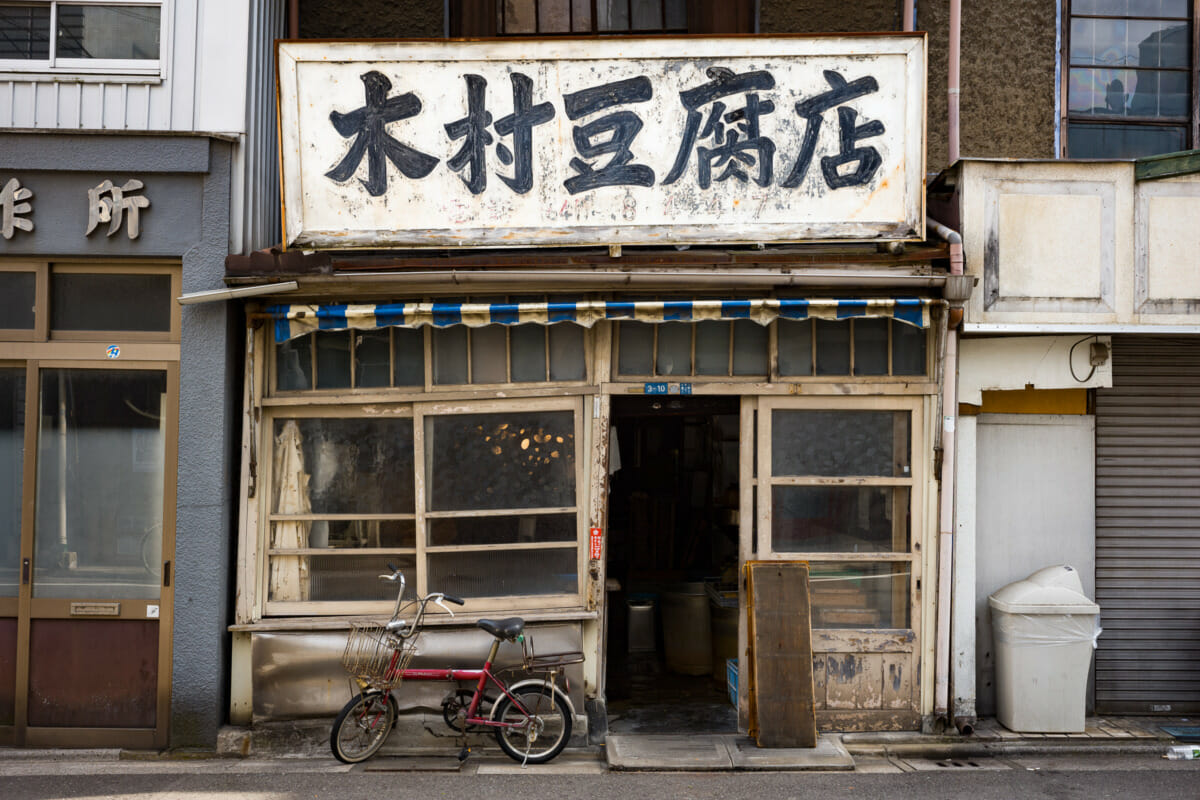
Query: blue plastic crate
x,y
731,679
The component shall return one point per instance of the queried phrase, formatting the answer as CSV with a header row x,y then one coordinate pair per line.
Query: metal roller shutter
x,y
1148,528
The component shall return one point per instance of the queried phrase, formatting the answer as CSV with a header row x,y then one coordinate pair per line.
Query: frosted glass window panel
x,y
612,15
333,360
499,573
450,355
489,354
108,31
103,302
99,501
674,349
908,350
647,15
677,15
554,16
581,15
636,343
504,460
712,347
520,16
840,443
870,347
17,295
372,359
515,529
343,577
794,340
833,519
568,362
751,346
833,347
12,449
410,356
355,466
528,343
859,595
293,364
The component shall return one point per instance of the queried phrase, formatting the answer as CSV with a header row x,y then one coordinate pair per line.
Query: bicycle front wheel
x,y
362,727
540,720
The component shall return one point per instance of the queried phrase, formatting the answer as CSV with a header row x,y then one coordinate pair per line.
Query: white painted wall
x,y
1008,363
202,88
1035,490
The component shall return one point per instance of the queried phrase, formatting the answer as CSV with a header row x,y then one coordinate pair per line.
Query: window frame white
x,y
53,66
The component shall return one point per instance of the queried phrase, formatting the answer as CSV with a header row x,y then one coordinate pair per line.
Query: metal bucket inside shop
x,y
687,629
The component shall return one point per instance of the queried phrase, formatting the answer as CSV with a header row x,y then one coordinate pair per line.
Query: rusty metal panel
x,y
641,141
93,673
300,675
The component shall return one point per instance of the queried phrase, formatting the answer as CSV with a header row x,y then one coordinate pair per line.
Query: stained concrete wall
x,y
371,19
1007,66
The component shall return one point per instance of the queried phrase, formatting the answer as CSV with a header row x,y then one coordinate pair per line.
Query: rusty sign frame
x,y
334,198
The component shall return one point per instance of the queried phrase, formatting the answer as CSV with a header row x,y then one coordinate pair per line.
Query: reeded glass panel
x,y
581,16
636,345
520,16
568,361
859,595
647,15
908,350
337,576
528,344
515,529
833,347
612,15
676,14
116,31
503,460
833,519
870,347
12,434
489,354
1123,141
87,302
333,360
712,347
496,573
751,346
101,444
18,293
674,355
450,355
795,346
293,364
25,31
410,356
354,466
840,443
372,358
554,16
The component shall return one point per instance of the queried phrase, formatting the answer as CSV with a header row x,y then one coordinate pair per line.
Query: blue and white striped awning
x,y
296,320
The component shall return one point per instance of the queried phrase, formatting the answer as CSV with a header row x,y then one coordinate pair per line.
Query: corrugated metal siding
x,y
260,203
1148,527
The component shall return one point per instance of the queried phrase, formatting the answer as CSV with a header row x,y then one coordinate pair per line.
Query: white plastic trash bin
x,y
1044,629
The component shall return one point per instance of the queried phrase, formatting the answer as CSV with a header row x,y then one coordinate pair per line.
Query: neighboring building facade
x,y
126,138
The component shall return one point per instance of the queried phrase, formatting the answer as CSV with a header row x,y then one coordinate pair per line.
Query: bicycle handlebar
x,y
458,601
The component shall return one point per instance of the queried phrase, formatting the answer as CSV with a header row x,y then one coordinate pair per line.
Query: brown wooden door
x,y
85,597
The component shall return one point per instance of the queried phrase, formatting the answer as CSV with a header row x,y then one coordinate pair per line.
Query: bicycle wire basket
x,y
375,656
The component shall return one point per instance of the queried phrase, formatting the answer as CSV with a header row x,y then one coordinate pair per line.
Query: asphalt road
x,y
1057,777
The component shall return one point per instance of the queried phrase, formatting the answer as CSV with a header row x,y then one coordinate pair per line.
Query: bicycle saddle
x,y
509,628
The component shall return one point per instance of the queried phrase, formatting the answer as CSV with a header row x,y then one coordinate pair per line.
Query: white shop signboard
x,y
603,141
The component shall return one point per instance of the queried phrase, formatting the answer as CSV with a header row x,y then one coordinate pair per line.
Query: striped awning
x,y
296,320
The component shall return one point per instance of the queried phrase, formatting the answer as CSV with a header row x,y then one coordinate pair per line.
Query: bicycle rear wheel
x,y
543,724
361,727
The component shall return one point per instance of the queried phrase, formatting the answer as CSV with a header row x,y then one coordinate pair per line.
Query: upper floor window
x,y
81,36
1130,82
543,17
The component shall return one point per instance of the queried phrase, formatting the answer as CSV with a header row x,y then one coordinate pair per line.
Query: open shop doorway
x,y
672,564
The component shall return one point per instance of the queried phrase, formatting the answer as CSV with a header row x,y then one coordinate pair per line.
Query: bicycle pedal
x,y
462,754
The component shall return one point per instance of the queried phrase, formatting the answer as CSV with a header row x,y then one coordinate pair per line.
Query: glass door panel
x,y
12,451
101,437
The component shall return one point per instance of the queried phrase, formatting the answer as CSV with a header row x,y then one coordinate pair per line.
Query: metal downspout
x,y
952,89
949,423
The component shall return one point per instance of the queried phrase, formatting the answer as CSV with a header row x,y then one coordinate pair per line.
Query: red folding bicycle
x,y
530,718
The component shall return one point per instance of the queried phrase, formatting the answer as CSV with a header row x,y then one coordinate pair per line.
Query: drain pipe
x,y
957,289
952,88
